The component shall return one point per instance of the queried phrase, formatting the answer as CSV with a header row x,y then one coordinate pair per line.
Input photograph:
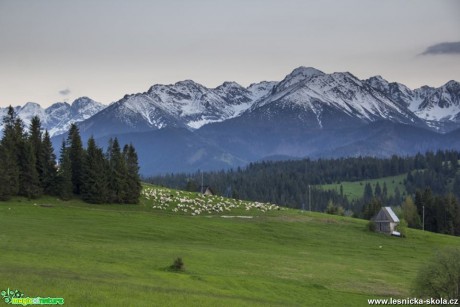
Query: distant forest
x,y
432,182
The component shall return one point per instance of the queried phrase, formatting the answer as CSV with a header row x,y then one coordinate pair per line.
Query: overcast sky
x,y
59,50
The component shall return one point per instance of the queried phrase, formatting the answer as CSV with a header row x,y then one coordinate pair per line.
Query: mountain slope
x,y
438,107
307,90
175,150
188,126
184,104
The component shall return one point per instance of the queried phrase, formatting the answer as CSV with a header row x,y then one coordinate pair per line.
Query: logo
x,y
16,297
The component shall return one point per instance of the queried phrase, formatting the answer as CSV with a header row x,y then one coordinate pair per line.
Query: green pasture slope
x,y
114,255
355,189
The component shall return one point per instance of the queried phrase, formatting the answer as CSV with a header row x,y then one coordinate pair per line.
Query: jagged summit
x,y
308,93
300,74
58,117
306,72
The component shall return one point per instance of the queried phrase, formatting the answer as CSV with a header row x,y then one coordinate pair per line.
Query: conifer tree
x,y
94,187
368,194
29,183
385,190
378,191
5,192
456,186
117,172
10,153
76,156
35,138
64,174
48,158
133,182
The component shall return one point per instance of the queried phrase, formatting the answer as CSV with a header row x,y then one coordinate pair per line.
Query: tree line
x,y
28,166
295,184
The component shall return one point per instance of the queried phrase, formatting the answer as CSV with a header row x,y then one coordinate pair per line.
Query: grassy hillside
x,y
113,255
355,189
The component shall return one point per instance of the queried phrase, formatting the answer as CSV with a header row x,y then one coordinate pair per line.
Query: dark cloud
x,y
443,48
64,92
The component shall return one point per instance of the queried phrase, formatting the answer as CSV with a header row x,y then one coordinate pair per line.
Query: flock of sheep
x,y
196,204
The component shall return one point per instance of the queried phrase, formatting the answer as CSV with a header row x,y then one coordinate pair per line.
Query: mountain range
x,y
186,126
58,117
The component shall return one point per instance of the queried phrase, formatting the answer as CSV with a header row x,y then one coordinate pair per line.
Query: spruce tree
x,y
64,174
76,156
35,139
10,153
48,158
94,187
456,186
133,182
5,192
117,173
385,190
378,191
29,183
368,194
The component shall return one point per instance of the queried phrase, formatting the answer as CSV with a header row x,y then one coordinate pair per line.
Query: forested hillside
x,y
298,184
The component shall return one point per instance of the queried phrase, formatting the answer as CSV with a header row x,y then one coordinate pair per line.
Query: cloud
x,y
443,48
64,92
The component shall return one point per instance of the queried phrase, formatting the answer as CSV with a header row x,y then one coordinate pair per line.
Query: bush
x,y
178,265
440,277
402,228
371,226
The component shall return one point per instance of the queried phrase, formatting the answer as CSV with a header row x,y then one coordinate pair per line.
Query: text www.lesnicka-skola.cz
x,y
413,301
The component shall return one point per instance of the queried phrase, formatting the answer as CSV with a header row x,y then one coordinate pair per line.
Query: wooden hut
x,y
386,220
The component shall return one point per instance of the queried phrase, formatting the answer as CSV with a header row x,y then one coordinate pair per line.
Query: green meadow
x,y
119,255
355,189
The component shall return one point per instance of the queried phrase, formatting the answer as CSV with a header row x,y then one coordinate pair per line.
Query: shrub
x,y
371,226
440,277
402,228
178,265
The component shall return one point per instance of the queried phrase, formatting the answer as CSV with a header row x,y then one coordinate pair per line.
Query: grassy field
x,y
114,255
355,189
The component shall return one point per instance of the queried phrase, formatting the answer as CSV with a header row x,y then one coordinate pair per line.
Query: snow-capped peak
x,y
306,72
300,74
378,83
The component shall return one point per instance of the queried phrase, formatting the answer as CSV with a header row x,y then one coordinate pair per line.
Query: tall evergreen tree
x,y
117,173
133,182
35,139
29,183
64,174
456,186
76,156
385,190
49,170
5,192
10,153
378,191
94,187
368,194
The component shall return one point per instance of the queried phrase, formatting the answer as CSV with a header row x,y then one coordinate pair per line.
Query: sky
x,y
59,50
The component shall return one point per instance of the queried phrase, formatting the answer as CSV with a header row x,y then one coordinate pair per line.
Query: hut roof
x,y
386,214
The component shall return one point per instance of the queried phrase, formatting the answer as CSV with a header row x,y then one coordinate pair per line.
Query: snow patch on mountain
x,y
58,117
306,92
